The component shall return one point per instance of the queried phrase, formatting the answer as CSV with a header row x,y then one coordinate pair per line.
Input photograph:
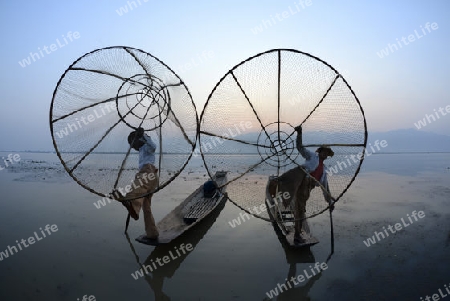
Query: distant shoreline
x,y
119,153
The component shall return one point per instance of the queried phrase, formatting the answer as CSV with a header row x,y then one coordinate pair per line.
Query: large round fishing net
x,y
105,95
247,126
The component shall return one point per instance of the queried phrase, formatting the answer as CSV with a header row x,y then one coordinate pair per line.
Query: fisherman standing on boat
x,y
146,180
299,182
306,182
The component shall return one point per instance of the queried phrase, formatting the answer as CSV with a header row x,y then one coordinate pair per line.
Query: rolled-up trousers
x,y
299,185
145,181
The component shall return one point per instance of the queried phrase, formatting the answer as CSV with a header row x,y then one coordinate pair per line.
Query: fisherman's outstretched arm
x,y
148,140
303,151
151,146
326,193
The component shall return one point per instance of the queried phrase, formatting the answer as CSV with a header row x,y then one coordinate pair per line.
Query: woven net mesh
x,y
105,95
247,125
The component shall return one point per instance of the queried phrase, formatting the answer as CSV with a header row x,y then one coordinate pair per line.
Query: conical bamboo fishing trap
x,y
101,98
247,125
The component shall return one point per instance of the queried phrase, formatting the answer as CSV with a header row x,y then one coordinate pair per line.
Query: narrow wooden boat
x,y
283,217
189,213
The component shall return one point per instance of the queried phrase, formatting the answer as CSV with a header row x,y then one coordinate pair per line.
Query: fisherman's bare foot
x,y
152,237
298,240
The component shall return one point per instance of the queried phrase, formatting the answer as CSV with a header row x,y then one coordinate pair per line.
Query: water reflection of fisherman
x,y
157,276
292,290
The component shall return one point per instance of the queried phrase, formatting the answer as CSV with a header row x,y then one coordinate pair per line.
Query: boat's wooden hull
x,y
188,214
283,218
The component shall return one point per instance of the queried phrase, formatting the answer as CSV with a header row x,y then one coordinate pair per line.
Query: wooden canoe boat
x,y
283,218
189,213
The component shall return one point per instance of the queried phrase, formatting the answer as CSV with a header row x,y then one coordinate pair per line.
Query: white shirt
x,y
311,163
147,151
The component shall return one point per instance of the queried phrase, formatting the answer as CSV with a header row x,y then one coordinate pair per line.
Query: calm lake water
x,y
89,254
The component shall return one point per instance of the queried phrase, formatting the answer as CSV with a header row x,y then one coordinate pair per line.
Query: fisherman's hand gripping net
x,y
247,125
101,98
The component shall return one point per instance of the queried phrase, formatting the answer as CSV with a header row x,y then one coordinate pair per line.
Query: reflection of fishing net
x,y
247,125
101,98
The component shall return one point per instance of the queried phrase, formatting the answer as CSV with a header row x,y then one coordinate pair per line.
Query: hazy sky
x,y
396,88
